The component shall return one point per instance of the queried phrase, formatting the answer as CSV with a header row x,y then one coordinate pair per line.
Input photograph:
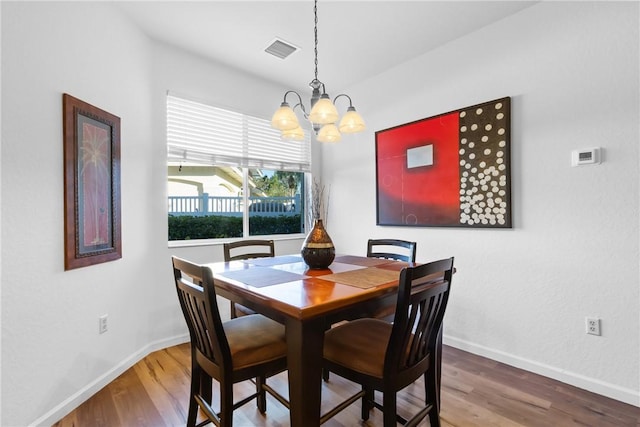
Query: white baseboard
x,y
92,388
602,388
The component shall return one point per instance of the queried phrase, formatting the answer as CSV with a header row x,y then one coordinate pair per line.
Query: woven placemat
x,y
267,261
360,260
259,277
363,278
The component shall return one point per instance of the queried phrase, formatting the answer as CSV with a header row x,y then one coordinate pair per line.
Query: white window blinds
x,y
200,133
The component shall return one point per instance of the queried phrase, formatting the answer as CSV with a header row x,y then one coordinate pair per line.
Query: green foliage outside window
x,y
220,227
263,225
280,184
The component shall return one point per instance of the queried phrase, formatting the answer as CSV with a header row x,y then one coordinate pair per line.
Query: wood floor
x,y
475,392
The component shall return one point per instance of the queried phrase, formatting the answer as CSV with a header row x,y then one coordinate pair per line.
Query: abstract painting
x,y
449,170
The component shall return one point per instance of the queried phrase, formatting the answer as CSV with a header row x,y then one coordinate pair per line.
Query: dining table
x,y
308,301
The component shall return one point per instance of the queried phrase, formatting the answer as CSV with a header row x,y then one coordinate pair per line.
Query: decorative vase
x,y
318,251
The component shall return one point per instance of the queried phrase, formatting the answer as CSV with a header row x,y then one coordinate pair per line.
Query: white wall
x,y
521,295
53,357
572,70
50,345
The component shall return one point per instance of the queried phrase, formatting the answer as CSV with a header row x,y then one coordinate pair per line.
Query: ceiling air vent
x,y
280,48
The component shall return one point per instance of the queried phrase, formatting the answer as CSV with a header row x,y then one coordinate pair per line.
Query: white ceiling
x,y
357,39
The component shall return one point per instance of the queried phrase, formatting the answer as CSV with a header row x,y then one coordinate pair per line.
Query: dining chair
x,y
242,250
396,249
389,356
239,349
400,250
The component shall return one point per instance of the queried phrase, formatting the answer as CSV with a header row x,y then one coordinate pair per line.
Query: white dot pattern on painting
x,y
483,170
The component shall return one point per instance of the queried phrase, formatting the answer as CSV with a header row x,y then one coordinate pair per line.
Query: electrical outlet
x,y
102,324
593,326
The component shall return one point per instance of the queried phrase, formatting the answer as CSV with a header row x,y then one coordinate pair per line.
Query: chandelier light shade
x,y
296,134
323,114
329,133
351,121
285,118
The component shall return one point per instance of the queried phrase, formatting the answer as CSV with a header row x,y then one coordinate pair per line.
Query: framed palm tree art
x,y
91,184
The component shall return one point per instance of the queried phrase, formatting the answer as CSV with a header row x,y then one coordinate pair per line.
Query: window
x,y
230,175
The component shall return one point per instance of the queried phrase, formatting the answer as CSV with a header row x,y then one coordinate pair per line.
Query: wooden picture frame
x,y
92,225
449,170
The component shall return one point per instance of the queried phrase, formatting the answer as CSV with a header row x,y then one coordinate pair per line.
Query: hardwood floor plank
x,y
570,405
503,399
100,411
456,411
165,382
475,392
132,402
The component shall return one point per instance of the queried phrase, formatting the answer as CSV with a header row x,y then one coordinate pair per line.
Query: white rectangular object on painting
x,y
420,156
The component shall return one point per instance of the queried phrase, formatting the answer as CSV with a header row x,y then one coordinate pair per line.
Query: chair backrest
x,y
247,249
381,248
423,293
196,293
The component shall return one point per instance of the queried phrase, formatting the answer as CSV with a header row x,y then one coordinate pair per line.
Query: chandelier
x,y
323,115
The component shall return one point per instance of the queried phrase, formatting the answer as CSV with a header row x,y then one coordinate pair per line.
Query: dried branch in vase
x,y
319,205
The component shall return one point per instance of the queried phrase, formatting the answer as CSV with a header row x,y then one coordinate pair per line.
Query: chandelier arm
x,y
292,91
304,111
343,94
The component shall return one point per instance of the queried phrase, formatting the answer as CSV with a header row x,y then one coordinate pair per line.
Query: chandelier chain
x,y
315,33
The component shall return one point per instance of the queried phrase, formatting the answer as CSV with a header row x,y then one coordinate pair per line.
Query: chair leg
x,y
432,385
434,418
438,366
195,389
226,403
432,397
390,415
367,402
428,392
262,395
325,371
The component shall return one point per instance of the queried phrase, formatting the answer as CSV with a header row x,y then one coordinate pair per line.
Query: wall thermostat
x,y
585,156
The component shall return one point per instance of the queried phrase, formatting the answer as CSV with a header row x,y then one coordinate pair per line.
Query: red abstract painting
x,y
447,170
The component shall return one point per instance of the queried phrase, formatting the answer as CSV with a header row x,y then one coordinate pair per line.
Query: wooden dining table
x,y
308,302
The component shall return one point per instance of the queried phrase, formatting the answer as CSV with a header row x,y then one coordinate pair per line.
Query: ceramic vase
x,y
318,251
